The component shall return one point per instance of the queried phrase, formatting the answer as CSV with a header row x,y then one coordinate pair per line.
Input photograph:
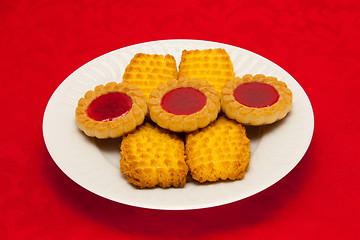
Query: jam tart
x,y
256,100
184,105
111,110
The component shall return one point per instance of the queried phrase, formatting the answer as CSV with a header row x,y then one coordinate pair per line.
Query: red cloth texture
x,y
317,42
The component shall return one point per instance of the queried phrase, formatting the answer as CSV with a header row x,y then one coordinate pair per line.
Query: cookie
x,y
147,71
221,151
111,110
210,65
151,157
184,105
256,100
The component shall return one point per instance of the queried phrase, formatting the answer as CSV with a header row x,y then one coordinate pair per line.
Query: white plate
x,y
94,164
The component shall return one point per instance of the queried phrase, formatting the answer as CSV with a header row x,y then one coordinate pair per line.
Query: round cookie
x,y
256,100
184,105
111,111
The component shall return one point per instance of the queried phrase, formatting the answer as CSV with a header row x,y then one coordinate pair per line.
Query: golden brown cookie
x,y
184,105
256,100
221,151
152,157
147,71
111,111
210,65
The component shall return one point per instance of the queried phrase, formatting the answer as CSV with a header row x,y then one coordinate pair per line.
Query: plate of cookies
x,y
178,124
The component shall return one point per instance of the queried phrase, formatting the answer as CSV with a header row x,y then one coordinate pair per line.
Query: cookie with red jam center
x,y
183,101
184,105
256,100
111,111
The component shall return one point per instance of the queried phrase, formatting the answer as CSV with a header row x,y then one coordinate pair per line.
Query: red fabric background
x,y
317,42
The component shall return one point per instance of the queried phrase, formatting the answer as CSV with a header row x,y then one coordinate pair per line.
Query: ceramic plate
x,y
94,164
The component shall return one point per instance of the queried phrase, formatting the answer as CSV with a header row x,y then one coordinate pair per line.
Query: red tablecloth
x,y
317,42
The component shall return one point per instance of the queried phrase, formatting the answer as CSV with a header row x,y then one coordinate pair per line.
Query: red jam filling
x,y
183,101
256,94
109,106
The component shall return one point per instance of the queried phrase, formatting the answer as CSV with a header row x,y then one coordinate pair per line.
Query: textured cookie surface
x,y
147,71
221,151
153,157
210,65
